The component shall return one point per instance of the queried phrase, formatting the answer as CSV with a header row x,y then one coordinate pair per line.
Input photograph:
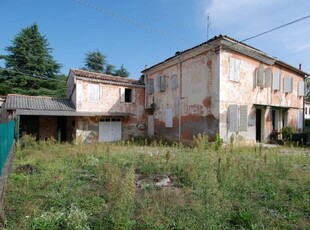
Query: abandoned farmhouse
x,y
221,86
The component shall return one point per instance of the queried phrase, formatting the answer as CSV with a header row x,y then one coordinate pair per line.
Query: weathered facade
x,y
108,108
226,87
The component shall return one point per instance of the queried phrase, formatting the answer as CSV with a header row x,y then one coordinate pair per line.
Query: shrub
x,y
287,132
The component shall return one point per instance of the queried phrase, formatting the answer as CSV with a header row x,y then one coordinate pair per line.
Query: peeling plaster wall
x,y
195,101
88,127
245,92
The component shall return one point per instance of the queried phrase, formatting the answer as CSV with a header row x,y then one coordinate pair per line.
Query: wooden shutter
x,y
174,82
169,122
162,83
268,73
151,86
157,84
93,92
287,85
122,94
133,95
234,69
260,76
301,88
300,119
233,118
276,81
243,118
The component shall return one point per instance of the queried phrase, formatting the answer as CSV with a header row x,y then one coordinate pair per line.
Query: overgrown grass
x,y
64,186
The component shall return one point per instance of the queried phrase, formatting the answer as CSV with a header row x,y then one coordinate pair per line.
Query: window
x,y
287,84
93,92
169,122
127,95
174,82
160,83
276,81
233,118
301,88
151,86
260,76
268,74
243,118
234,69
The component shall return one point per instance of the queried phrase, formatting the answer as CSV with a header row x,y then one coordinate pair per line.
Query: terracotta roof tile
x,y
106,77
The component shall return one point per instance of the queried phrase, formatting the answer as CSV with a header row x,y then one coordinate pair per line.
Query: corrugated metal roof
x,y
105,77
15,101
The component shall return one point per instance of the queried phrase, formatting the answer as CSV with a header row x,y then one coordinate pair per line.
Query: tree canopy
x,y
30,68
96,61
30,54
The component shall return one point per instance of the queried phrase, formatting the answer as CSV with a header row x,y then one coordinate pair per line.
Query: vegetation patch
x,y
156,185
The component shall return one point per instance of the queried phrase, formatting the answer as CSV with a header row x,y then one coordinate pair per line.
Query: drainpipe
x,y
180,100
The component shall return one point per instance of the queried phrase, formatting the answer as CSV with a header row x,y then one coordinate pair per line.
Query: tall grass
x,y
212,186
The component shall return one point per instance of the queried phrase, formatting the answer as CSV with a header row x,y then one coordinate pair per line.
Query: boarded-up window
x,y
276,81
174,82
169,122
234,69
243,118
287,84
268,73
157,84
301,88
151,86
94,92
300,119
260,76
233,118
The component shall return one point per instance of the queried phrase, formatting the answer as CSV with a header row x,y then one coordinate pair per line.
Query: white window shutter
x,y
287,86
94,92
243,118
157,84
268,73
300,119
301,88
122,94
233,118
234,69
169,121
260,76
237,70
151,86
276,81
174,82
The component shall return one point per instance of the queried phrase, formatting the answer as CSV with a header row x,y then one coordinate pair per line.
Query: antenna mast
x,y
208,25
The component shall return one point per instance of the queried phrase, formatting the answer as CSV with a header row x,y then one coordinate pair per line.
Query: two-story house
x,y
111,107
223,87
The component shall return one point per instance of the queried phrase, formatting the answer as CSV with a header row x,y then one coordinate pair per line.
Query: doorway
x,y
258,125
62,128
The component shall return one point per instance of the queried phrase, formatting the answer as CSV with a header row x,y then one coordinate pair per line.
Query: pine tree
x,y
95,61
122,72
30,54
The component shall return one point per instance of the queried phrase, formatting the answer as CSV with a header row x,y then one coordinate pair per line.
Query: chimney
x,y
300,66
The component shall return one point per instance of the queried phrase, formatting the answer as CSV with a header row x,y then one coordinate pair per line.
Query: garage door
x,y
110,129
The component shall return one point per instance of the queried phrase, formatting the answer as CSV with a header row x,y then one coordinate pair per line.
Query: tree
x,y
110,69
95,61
122,72
30,54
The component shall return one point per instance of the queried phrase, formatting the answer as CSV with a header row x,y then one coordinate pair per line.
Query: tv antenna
x,y
208,25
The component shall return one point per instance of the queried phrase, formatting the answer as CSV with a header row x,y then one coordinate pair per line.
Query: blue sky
x,y
136,33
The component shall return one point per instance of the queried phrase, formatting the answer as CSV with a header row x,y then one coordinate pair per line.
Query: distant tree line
x,y
30,68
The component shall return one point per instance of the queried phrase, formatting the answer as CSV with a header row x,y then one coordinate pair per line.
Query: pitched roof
x,y
227,38
15,101
105,77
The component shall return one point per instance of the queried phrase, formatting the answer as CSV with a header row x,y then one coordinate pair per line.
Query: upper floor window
x,y
174,82
301,88
160,83
276,81
94,92
287,85
151,86
234,69
127,95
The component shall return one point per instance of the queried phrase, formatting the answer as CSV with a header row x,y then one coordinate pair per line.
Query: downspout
x,y
180,100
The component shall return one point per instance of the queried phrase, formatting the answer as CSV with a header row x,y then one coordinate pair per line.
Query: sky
x,y
142,33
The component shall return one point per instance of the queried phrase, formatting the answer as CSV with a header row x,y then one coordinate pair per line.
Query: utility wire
x,y
128,20
276,28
